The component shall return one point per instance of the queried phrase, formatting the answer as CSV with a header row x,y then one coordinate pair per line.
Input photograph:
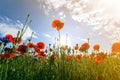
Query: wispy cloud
x,y
12,27
102,15
47,35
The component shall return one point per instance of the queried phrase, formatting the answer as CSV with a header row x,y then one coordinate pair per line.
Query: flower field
x,y
29,61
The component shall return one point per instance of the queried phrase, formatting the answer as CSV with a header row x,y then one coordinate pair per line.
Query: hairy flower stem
x,y
59,44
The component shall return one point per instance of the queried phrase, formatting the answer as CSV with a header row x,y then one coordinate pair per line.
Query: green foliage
x,y
26,68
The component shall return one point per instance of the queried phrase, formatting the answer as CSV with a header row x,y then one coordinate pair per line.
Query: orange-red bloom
x,y
116,47
41,45
30,45
68,57
17,40
78,56
53,56
9,55
42,54
37,49
57,24
96,47
84,47
98,59
2,56
10,37
91,56
22,48
76,47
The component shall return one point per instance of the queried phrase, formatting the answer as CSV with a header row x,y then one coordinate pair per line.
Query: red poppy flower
x,y
84,47
68,57
9,55
17,40
37,49
2,56
98,59
78,56
30,45
53,56
42,54
60,27
10,37
21,53
96,47
22,48
41,45
50,50
76,47
91,56
116,47
57,24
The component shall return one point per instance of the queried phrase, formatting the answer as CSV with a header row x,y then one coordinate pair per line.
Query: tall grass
x,y
26,68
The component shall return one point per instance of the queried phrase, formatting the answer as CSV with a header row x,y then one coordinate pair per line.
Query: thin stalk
x,y
24,25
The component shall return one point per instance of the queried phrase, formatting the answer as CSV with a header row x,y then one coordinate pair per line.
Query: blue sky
x,y
83,19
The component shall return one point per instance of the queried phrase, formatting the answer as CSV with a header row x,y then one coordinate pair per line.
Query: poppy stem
x,y
59,38
2,50
24,25
59,44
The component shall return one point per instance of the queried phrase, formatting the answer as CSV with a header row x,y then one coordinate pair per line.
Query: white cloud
x,y
7,26
47,35
102,15
5,29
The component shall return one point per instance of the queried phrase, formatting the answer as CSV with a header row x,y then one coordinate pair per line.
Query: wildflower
x,y
2,56
50,50
41,45
30,45
21,53
37,49
53,56
4,39
78,56
116,47
35,58
98,59
22,48
41,54
84,47
57,24
103,55
68,57
17,40
91,56
9,55
10,37
76,47
100,77
96,47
